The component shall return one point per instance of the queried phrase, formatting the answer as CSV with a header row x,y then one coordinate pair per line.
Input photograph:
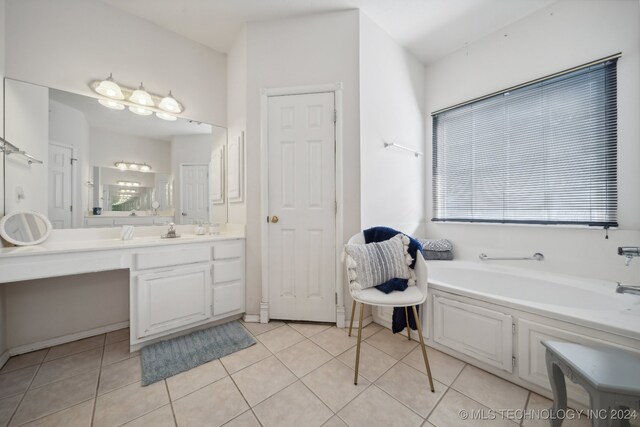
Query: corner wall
x,y
561,36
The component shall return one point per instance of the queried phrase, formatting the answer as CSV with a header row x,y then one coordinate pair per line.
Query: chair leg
x,y
422,346
406,313
353,312
355,379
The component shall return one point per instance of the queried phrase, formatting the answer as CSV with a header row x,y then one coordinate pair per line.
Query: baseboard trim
x,y
251,318
26,348
4,357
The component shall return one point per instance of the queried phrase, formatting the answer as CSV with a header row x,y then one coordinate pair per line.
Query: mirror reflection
x,y
104,167
24,228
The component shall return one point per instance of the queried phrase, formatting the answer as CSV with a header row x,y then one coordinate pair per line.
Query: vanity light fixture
x,y
122,165
145,167
109,103
109,88
141,111
166,116
128,183
141,96
133,166
169,103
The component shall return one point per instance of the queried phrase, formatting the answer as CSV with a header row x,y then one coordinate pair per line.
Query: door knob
x,y
184,214
275,219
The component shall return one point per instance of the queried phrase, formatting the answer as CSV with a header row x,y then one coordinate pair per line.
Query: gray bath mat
x,y
166,358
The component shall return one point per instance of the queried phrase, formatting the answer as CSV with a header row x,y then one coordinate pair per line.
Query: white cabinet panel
x,y
475,331
226,250
98,222
167,258
129,220
173,299
228,297
226,271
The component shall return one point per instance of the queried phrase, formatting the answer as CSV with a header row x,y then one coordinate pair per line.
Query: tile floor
x,y
296,375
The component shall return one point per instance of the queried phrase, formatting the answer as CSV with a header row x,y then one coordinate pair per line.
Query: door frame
x,y
74,187
336,89
182,165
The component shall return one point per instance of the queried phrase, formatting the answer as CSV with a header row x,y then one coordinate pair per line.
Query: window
x,y
541,153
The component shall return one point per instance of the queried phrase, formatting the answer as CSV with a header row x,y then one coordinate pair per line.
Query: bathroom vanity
x,y
175,284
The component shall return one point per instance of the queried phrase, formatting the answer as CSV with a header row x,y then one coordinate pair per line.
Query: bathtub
x,y
495,317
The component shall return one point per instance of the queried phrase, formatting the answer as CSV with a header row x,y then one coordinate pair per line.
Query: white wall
x,y
237,111
26,126
108,147
392,181
64,44
3,341
561,36
311,50
69,126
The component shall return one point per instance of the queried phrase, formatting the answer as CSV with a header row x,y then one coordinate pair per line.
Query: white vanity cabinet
x,y
185,286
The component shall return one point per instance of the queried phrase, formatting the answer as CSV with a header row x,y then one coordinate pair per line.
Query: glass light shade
x,y
110,89
141,96
169,103
133,166
166,116
136,184
111,104
140,111
121,165
145,167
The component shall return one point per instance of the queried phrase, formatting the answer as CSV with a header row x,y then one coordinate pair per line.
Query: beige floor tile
x,y
261,328
161,417
373,362
303,357
117,336
119,375
8,406
292,407
367,331
538,407
411,388
280,338
56,396
309,329
263,379
334,421
212,405
245,357
74,347
68,366
116,352
444,368
427,424
449,410
334,340
333,384
394,345
189,381
128,403
247,419
16,382
489,390
374,407
24,360
76,416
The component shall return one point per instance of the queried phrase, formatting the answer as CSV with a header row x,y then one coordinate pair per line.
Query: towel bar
x,y
536,257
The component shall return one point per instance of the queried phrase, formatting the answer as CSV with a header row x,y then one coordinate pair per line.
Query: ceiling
x,y
430,29
127,123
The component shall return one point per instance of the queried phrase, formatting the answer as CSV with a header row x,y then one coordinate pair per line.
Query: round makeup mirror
x,y
24,228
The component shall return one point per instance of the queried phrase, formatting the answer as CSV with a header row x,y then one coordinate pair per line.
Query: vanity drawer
x,y
99,222
133,221
226,271
227,250
228,297
167,258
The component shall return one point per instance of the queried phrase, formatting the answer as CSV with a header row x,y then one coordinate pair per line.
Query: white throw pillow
x,y
375,263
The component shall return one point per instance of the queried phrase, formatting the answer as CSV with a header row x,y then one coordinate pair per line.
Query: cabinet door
x,y
475,331
173,299
228,297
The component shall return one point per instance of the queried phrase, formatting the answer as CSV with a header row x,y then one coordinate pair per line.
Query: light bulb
x,y
140,111
110,89
166,116
121,165
111,104
133,166
136,184
141,96
169,103
145,168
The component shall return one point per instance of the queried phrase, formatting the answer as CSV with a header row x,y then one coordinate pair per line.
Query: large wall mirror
x,y
104,168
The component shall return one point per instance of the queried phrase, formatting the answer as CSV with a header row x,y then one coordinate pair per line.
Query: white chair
x,y
412,296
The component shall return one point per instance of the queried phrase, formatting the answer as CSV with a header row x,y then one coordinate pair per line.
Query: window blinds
x,y
543,153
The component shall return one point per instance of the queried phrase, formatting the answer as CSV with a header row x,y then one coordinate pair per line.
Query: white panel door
x,y
195,194
302,196
60,186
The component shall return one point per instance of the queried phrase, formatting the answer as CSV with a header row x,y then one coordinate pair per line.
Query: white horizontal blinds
x,y
544,153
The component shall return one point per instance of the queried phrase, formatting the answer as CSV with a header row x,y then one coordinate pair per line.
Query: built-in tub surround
x,y
206,273
496,316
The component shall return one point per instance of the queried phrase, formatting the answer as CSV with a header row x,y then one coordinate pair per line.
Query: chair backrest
x,y
420,268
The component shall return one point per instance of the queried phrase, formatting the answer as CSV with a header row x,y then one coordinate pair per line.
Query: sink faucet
x,y
171,233
623,289
628,252
133,213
